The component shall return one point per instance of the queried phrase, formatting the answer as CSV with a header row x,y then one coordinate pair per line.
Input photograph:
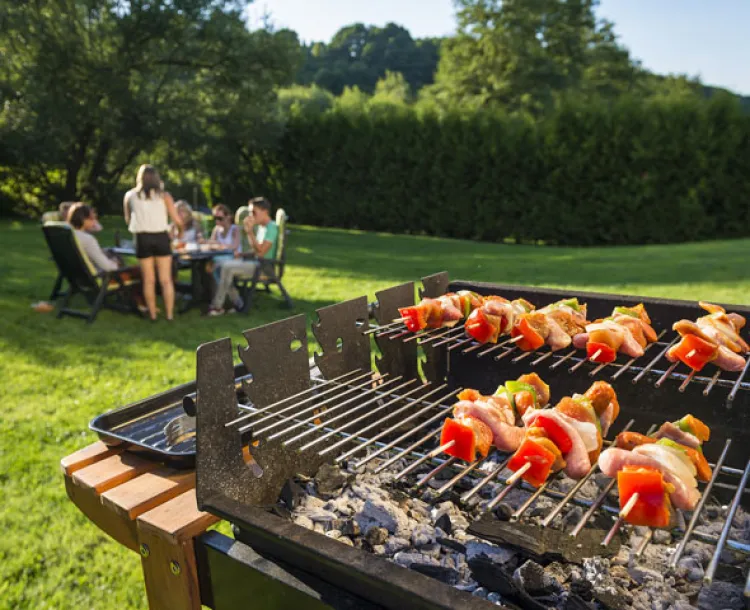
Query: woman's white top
x,y
146,215
225,237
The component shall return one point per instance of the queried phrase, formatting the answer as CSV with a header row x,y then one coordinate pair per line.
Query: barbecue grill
x,y
375,399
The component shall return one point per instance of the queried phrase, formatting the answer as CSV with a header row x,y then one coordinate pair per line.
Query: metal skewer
x,y
648,367
407,434
567,356
518,474
666,374
711,570
688,379
428,456
437,470
699,508
712,383
737,383
630,362
402,453
491,475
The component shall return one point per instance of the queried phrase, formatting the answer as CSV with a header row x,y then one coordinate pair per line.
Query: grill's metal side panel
x,y
435,362
221,469
278,369
340,333
398,357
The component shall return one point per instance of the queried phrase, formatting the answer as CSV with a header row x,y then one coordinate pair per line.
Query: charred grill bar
x,y
293,423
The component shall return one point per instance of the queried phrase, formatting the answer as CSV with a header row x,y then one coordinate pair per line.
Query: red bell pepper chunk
x,y
483,328
695,352
531,339
652,507
413,317
540,458
600,352
470,436
555,432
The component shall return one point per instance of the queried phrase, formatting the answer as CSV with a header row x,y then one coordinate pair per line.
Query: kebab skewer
x,y
495,318
712,338
627,330
655,473
480,422
554,325
443,312
568,437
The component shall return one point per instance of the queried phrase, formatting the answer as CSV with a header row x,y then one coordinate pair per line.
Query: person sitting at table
x,y
191,232
83,218
64,209
262,235
225,236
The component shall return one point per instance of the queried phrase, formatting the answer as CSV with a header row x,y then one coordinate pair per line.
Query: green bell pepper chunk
x,y
668,442
504,391
516,386
585,402
626,311
572,303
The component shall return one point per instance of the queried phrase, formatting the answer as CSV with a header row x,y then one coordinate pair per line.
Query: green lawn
x,y
56,375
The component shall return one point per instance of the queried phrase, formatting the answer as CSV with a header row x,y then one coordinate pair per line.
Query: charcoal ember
x,y
319,528
408,558
304,521
583,589
422,534
480,592
447,575
495,598
545,544
576,602
384,514
720,595
496,554
320,515
662,537
376,535
642,574
345,540
291,494
378,549
330,480
432,549
444,523
700,551
532,578
453,545
690,568
351,528
615,598
396,544
572,517
333,534
559,571
496,578
503,511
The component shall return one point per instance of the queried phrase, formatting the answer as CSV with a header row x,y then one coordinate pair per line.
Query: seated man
x,y
262,235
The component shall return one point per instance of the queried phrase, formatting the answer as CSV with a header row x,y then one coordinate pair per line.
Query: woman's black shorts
x,y
152,244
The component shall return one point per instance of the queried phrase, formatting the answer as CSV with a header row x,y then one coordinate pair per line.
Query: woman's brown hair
x,y
147,180
220,207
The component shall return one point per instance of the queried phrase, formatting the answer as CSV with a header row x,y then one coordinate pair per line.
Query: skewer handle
x,y
515,339
518,474
397,320
596,354
629,506
690,354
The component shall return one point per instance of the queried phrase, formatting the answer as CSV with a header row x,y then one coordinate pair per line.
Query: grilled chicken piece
x,y
725,359
617,336
685,494
578,463
542,389
718,327
670,431
604,400
498,415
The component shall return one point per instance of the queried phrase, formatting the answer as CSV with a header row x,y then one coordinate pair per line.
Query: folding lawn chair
x,y
270,271
111,289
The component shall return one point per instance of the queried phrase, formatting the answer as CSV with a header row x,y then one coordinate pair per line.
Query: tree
x,y
521,54
89,86
359,55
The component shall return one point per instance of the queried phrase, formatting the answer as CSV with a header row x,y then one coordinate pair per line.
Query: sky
x,y
705,38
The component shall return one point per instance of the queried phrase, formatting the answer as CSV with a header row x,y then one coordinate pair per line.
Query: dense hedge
x,y
663,170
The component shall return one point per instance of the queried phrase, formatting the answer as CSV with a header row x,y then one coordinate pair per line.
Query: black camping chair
x,y
57,289
270,271
111,289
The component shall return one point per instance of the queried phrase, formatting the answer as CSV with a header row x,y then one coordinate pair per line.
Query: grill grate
x,y
430,404
454,338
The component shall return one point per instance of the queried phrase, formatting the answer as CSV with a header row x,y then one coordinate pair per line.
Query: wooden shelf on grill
x,y
149,508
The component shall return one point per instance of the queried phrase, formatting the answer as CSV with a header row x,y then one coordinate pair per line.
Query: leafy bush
x,y
665,169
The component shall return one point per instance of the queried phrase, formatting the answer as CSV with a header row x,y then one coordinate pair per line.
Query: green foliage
x,y
359,55
654,170
89,88
299,99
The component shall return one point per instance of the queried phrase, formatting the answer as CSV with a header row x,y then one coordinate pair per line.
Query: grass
x,y
57,374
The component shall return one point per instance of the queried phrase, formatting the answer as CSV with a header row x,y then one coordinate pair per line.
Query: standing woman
x,y
146,208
